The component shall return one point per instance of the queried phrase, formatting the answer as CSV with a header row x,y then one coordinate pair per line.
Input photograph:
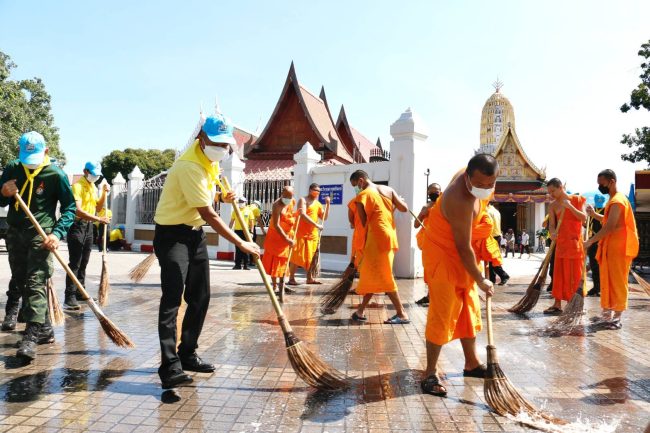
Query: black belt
x,y
179,228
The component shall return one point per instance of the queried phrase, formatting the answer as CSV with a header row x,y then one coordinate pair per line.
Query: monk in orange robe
x,y
452,269
485,246
375,205
433,192
308,235
618,245
279,238
569,250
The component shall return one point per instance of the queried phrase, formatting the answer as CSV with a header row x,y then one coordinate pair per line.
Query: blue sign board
x,y
334,191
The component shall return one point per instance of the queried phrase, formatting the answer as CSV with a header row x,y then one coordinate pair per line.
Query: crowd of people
x,y
458,229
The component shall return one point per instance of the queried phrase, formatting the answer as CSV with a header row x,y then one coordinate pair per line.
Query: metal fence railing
x,y
147,199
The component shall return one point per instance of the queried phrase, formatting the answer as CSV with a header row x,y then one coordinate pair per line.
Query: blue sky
x,y
132,74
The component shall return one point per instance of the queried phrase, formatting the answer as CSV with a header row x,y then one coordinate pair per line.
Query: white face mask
x,y
215,153
479,193
92,179
286,201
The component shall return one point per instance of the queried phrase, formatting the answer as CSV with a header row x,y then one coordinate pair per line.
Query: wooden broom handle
x,y
41,232
105,229
265,278
417,219
488,308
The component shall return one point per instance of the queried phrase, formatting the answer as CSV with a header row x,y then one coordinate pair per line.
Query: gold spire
x,y
497,85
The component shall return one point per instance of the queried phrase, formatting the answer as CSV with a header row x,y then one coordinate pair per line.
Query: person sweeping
x,y
181,247
43,186
451,269
279,239
618,245
311,210
80,236
433,193
569,251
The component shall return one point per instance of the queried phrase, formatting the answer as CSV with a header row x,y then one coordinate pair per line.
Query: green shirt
x,y
51,186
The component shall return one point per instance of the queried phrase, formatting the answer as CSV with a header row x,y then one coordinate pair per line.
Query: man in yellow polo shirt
x,y
180,244
256,209
116,239
80,236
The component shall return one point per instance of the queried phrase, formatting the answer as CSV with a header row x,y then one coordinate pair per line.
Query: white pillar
x,y
305,160
232,168
409,156
133,188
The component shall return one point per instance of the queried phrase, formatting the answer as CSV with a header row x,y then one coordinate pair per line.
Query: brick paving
x,y
85,383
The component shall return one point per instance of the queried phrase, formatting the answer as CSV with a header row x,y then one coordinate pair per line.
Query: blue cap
x,y
92,168
32,148
599,200
219,129
121,227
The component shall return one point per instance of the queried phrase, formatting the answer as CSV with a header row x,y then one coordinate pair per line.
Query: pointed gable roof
x,y
299,116
355,142
509,146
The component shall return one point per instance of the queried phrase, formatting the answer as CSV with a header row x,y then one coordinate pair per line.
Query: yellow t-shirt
x,y
116,235
247,215
496,220
256,215
186,188
102,213
86,193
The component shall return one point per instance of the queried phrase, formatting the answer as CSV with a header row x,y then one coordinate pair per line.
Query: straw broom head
x,y
531,296
310,368
140,270
53,305
334,297
314,266
502,396
116,335
642,282
104,284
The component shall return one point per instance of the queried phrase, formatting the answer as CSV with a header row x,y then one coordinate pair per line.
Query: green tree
x,y
150,161
24,106
639,141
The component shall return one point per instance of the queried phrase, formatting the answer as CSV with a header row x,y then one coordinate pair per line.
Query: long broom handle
x,y
488,309
265,278
41,232
105,230
417,219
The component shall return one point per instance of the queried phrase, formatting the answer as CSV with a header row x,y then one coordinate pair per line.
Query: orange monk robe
x,y
569,252
276,248
376,268
486,248
420,236
455,311
359,235
307,237
615,254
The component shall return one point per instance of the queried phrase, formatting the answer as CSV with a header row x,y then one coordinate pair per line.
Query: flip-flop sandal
x,y
289,290
358,318
396,320
314,282
294,283
613,325
478,372
553,311
430,384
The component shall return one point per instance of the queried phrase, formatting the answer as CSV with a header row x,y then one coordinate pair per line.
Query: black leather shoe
x,y
27,349
175,378
11,316
70,302
45,335
194,363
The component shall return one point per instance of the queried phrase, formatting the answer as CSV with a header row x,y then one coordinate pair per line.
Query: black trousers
x,y
522,248
497,270
184,266
550,271
593,264
254,237
80,242
240,257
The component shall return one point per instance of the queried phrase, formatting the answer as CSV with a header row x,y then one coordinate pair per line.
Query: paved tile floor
x,y
85,383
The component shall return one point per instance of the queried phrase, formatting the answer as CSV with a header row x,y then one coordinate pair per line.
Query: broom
x,y
306,364
140,270
334,297
500,394
53,305
114,333
531,296
286,271
104,284
643,283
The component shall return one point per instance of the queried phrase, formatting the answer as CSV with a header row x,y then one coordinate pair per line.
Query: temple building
x,y
521,189
300,117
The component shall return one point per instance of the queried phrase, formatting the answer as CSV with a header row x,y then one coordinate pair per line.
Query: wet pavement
x,y
83,382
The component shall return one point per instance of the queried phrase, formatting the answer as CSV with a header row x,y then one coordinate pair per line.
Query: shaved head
x,y
287,192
